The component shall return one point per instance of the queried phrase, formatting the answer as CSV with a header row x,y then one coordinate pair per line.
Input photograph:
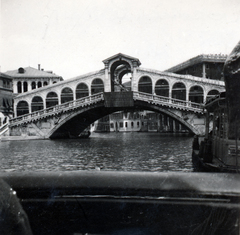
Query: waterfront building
x,y
101,125
138,121
6,95
28,78
6,101
208,66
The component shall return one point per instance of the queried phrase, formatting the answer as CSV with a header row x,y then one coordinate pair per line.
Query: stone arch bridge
x,y
66,108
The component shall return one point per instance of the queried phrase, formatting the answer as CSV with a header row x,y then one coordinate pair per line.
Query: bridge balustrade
x,y
155,99
55,109
188,105
3,128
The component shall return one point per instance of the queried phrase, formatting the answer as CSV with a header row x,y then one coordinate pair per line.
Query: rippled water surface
x,y
110,151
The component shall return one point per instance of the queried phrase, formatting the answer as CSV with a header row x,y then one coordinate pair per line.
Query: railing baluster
x,y
98,97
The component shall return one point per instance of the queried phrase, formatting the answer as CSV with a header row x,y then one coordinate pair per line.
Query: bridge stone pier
x,y
66,108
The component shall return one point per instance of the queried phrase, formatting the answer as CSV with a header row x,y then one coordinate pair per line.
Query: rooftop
x,y
3,75
217,58
29,72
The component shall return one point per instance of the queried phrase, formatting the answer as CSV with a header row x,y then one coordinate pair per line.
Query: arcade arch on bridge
x,y
179,91
211,94
22,108
66,95
51,99
97,86
162,88
145,85
36,104
82,90
196,94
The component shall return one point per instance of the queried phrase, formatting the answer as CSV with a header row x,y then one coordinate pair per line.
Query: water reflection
x,y
110,151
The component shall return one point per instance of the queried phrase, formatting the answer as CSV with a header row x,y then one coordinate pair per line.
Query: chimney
x,y
39,67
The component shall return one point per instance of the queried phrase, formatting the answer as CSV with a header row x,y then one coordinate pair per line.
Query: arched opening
x,y
33,85
162,88
211,94
97,86
196,94
179,91
145,85
37,103
45,83
66,95
51,99
22,108
126,80
118,70
19,87
82,90
39,84
25,86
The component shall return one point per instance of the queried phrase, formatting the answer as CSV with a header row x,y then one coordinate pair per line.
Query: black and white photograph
x,y
120,117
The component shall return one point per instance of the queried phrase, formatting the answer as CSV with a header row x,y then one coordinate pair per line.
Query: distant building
x,y
140,121
6,94
206,66
27,79
6,102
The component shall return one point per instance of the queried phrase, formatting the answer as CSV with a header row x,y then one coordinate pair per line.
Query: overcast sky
x,y
72,37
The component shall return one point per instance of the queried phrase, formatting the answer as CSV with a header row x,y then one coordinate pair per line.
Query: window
x,y
19,87
33,85
126,124
25,86
39,84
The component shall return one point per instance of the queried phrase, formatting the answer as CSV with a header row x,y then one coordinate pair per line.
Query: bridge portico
x,y
170,91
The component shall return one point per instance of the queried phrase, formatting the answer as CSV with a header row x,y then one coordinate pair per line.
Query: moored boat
x,y
220,149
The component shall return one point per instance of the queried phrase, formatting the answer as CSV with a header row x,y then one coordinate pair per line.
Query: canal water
x,y
131,151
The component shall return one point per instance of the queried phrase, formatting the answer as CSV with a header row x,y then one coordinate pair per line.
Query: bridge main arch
x,y
73,123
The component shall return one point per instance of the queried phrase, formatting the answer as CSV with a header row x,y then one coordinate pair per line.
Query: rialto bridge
x,y
66,108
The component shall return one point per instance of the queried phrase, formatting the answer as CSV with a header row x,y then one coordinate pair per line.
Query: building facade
x,y
208,66
6,95
6,102
138,121
27,79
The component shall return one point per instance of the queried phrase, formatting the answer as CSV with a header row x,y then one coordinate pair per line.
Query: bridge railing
x,y
187,105
161,100
58,108
3,128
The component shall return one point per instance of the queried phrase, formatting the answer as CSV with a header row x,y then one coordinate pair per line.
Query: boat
x,y
116,203
219,151
83,135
